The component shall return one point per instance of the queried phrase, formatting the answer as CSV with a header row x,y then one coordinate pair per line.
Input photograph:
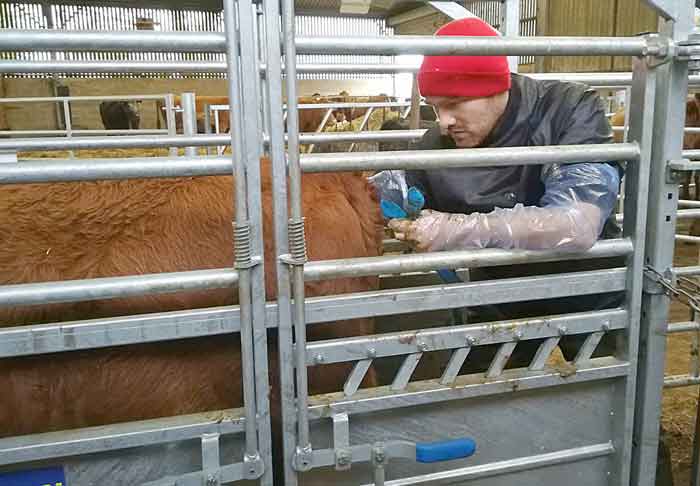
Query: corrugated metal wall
x,y
597,18
89,17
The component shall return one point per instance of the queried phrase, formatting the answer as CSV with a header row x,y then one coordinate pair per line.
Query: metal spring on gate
x,y
297,241
241,241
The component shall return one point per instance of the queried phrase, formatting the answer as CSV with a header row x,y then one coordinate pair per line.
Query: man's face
x,y
468,120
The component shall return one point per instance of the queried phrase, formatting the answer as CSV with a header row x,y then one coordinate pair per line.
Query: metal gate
x,y
534,425
206,448
538,424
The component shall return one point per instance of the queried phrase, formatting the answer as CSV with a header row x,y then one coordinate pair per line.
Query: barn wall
x,y
85,115
594,18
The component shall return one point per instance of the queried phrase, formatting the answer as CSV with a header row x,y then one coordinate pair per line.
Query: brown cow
x,y
111,228
691,141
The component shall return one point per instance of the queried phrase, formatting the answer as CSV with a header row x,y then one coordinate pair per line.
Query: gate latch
x,y
682,289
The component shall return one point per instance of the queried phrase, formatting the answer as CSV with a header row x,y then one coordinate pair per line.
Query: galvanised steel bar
x,y
284,318
74,442
189,120
45,99
132,141
479,157
452,337
43,170
145,41
81,132
418,299
417,262
297,248
16,66
691,271
29,144
481,46
678,381
641,130
250,101
688,213
110,67
510,466
109,41
116,287
118,331
241,227
676,327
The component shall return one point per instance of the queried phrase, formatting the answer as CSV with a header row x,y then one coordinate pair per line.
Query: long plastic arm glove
x,y
578,199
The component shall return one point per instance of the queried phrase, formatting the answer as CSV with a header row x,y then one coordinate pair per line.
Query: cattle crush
x,y
391,419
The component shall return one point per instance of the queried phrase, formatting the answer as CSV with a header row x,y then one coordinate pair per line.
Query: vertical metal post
x,y
642,103
663,199
207,126
297,243
69,124
241,226
275,123
414,120
625,137
170,121
510,26
244,103
189,120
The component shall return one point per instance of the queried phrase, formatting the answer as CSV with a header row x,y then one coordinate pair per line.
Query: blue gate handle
x,y
445,450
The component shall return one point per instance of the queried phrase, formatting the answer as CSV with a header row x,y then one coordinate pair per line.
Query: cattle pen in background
x,y
591,422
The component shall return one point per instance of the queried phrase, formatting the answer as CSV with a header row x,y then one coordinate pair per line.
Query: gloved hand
x,y
573,227
412,205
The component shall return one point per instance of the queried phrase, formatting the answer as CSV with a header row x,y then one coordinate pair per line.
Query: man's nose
x,y
446,119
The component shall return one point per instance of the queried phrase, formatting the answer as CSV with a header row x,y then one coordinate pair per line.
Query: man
x,y
566,207
480,104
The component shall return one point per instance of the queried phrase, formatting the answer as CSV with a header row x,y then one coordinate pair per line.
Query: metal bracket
x,y
254,261
303,459
290,260
210,460
341,441
379,456
666,48
253,466
656,282
675,168
689,51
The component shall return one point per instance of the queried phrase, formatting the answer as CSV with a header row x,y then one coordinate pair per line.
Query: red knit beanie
x,y
472,76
